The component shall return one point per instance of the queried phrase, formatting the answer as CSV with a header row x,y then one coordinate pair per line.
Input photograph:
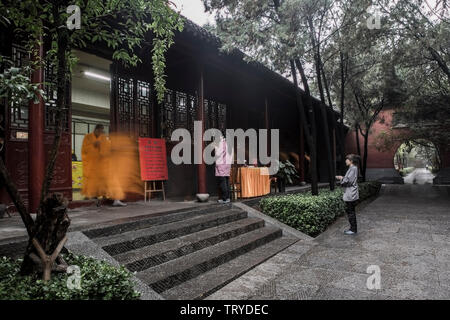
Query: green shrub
x,y
313,214
99,281
405,171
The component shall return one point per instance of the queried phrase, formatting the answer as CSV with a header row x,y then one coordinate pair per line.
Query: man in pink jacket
x,y
223,168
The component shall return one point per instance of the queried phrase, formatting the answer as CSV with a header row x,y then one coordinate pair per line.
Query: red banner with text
x,y
153,159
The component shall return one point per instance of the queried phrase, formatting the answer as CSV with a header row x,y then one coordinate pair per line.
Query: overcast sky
x,y
194,10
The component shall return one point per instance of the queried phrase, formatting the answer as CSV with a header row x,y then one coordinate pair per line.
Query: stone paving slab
x,y
405,232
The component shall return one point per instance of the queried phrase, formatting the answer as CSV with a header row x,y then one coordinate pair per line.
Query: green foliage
x,y
405,171
15,84
99,281
122,25
312,214
287,171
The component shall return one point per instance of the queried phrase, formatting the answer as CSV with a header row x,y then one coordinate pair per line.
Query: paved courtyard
x,y
406,232
419,176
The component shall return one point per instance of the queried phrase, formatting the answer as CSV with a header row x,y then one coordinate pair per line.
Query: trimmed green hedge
x,y
313,214
99,281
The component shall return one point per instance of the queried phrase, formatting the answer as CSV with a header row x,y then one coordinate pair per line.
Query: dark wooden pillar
x,y
267,125
334,149
36,155
201,168
301,156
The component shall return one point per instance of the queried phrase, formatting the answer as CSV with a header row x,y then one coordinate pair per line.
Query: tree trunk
x,y
358,147
341,129
306,130
60,110
328,146
316,50
331,162
323,111
366,147
51,228
52,221
16,198
312,120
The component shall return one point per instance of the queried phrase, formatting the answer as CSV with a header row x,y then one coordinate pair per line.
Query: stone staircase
x,y
191,253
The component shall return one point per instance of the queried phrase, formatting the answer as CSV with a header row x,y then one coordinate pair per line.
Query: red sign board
x,y
153,159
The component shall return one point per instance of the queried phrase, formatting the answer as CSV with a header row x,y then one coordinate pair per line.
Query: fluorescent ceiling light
x,y
96,76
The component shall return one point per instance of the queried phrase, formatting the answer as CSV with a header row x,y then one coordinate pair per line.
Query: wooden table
x,y
255,182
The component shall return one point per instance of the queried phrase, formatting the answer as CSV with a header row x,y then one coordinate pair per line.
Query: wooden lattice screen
x,y
131,105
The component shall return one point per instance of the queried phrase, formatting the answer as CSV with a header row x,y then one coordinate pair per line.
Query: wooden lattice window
x,y
181,110
192,113
206,111
18,113
50,97
125,103
144,108
222,116
167,112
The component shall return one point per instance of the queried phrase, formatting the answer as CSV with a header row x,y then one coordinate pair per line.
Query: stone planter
x,y
202,197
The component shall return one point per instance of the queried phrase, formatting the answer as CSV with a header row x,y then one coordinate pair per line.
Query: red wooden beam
x,y
201,168
36,156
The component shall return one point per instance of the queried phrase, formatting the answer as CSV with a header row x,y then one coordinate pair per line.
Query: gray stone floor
x,y
406,232
84,217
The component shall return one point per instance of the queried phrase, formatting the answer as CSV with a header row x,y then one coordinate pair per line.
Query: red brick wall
x,y
376,158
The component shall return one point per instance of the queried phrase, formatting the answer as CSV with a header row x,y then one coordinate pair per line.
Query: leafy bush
x,y
99,281
287,172
313,214
405,171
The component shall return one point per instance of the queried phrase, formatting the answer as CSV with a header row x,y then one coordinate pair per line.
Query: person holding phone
x,y
351,194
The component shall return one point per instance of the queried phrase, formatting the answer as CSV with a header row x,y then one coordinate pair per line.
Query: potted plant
x,y
286,174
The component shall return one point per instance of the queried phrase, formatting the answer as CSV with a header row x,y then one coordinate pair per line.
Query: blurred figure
x,y
95,153
124,174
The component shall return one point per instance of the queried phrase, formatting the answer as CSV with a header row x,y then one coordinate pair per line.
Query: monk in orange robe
x,y
99,179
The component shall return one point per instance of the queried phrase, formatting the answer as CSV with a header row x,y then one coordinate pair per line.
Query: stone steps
x,y
150,256
213,280
162,218
191,253
144,237
167,275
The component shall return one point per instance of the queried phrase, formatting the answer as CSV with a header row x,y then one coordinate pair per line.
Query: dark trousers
x,y
224,184
350,209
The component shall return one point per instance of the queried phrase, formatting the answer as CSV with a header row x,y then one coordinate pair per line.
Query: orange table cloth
x,y
255,182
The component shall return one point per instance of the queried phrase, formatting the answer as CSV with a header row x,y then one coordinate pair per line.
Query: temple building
x,y
203,83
